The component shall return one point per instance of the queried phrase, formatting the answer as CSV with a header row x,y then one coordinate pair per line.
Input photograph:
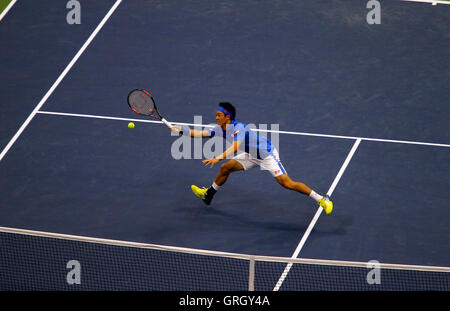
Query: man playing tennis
x,y
256,151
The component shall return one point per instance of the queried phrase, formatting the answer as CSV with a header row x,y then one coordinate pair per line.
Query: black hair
x,y
230,108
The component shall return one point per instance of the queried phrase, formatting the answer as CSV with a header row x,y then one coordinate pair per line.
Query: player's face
x,y
221,118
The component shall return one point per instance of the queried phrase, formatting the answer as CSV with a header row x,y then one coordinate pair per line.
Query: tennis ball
x,y
131,125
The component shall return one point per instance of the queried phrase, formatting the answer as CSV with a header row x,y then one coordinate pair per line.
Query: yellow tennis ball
x,y
131,125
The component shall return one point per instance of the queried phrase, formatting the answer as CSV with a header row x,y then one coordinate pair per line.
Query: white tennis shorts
x,y
271,163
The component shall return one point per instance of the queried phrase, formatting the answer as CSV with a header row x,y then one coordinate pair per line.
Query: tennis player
x,y
247,150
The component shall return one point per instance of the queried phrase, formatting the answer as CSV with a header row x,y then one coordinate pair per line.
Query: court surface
x,y
362,111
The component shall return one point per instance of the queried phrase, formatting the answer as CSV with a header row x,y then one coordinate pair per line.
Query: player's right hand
x,y
176,129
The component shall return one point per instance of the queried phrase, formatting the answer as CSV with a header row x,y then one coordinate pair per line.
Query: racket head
x,y
141,102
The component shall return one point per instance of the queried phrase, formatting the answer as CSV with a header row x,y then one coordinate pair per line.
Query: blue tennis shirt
x,y
254,144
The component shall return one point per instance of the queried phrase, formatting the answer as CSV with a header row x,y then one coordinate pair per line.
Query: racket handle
x,y
169,125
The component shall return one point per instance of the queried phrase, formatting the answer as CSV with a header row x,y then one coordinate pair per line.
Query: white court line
x,y
10,5
260,130
430,1
317,215
58,81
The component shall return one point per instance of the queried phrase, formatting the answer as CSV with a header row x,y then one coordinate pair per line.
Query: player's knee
x,y
225,168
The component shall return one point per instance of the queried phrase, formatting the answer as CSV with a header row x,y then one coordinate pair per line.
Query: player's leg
x,y
273,164
225,170
207,194
285,181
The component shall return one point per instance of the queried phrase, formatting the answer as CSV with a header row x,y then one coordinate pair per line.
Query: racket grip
x,y
169,125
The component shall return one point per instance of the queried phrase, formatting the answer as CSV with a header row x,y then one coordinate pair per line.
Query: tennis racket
x,y
141,102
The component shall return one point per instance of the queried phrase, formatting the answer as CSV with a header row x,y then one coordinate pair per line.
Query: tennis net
x,y
34,260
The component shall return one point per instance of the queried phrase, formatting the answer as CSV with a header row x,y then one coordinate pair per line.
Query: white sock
x,y
215,186
315,196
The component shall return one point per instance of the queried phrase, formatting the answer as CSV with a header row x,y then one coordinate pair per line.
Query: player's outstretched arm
x,y
189,132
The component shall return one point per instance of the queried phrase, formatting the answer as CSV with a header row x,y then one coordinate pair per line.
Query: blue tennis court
x,y
361,111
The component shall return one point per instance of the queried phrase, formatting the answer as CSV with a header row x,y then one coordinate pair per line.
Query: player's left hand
x,y
211,162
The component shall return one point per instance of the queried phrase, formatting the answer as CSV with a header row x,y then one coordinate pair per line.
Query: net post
x,y
251,274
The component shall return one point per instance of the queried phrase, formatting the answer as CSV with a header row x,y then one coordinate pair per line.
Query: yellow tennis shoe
x,y
203,193
326,204
200,192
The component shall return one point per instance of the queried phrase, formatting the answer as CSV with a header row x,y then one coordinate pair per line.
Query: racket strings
x,y
142,103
